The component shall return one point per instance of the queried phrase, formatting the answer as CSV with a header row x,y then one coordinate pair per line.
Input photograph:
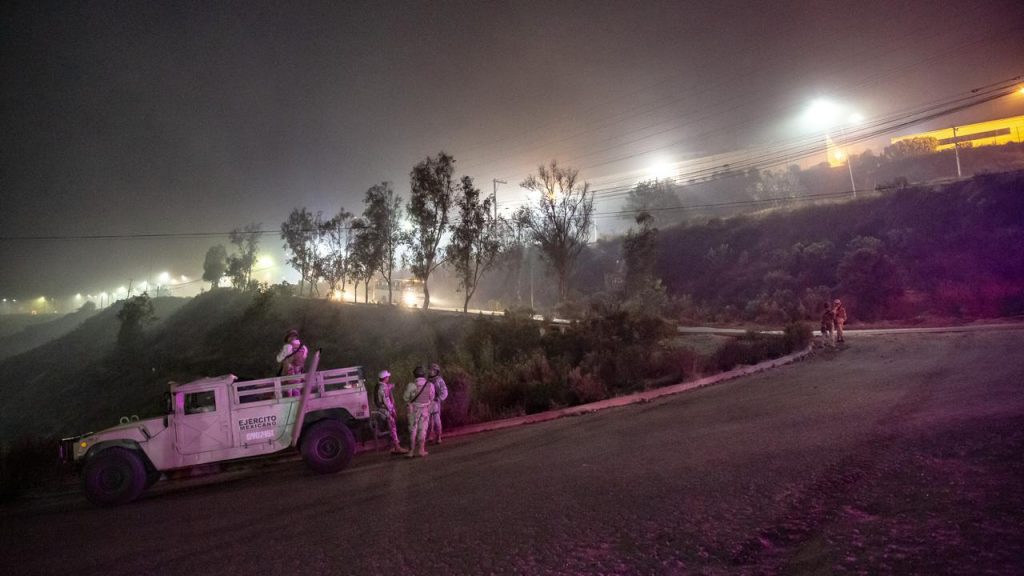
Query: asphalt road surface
x,y
897,455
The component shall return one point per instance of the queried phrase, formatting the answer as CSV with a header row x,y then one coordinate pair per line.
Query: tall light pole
x,y
495,181
956,152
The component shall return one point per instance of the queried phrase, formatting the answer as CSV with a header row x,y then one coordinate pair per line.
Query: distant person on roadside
x,y
839,312
827,323
291,359
386,405
440,395
419,395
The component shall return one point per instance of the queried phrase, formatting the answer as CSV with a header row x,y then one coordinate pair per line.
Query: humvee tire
x,y
114,476
327,446
152,475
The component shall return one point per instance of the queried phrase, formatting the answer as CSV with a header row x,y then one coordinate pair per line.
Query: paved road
x,y
900,454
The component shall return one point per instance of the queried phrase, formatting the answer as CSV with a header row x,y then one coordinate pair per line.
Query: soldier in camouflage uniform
x,y
440,395
386,406
419,395
827,325
839,311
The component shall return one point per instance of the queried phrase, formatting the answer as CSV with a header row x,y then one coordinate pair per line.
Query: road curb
x,y
636,398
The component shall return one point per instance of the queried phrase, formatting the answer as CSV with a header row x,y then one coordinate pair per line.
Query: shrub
x,y
748,349
460,392
797,335
585,387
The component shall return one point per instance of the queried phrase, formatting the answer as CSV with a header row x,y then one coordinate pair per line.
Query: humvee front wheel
x,y
327,446
114,476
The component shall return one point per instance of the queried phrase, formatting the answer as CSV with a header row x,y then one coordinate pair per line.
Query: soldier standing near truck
x,y
419,395
386,404
440,395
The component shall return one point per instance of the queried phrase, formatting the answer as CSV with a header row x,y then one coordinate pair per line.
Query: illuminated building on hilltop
x,y
990,133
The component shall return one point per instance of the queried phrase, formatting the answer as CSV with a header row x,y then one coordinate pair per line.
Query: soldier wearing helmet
x,y
419,395
386,408
440,395
292,358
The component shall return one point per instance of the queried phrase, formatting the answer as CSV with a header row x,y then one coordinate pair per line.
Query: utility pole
x,y
849,165
495,181
956,152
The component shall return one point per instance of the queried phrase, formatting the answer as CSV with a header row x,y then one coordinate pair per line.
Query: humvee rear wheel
x,y
114,476
327,446
151,477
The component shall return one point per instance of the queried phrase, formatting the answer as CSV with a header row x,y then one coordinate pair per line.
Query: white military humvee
x,y
218,419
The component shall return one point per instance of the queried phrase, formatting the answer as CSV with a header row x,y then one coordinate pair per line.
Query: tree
x,y
364,258
774,184
215,265
299,233
515,243
644,292
910,148
433,191
246,242
639,252
561,218
383,215
475,239
869,276
656,197
331,250
135,313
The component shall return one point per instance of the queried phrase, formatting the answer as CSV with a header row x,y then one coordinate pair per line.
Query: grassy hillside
x,y
36,334
950,250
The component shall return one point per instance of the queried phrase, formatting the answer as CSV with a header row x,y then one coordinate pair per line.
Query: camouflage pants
x,y
434,429
393,427
418,420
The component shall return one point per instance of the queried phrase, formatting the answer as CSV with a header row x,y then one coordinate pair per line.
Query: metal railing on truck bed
x,y
325,383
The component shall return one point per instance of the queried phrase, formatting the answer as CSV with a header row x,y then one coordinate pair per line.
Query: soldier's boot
x,y
397,449
423,449
411,453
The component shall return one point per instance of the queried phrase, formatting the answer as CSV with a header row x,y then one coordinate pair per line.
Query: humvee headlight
x,y
83,444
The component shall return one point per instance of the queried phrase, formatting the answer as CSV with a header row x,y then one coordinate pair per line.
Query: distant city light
x,y
264,261
42,298
121,289
184,278
78,296
409,298
855,118
164,278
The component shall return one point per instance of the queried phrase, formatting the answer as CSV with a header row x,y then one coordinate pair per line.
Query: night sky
x,y
128,118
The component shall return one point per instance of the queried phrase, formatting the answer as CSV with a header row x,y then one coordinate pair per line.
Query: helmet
x,y
419,372
836,301
383,374
435,369
291,335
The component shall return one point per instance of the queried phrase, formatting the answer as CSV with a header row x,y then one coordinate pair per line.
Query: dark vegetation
x,y
949,251
495,366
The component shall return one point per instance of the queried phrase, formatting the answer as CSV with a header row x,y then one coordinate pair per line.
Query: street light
x,y
826,115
